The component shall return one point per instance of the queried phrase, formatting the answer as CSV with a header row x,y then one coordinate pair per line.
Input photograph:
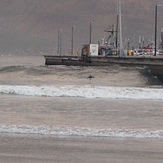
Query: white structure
x,y
93,50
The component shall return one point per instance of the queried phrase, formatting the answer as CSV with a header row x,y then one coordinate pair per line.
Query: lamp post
x,y
155,30
59,41
156,11
117,27
72,40
90,32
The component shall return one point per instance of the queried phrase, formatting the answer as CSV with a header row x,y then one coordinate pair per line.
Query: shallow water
x,y
68,127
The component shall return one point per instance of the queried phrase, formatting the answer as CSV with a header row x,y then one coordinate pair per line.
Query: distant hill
x,y
32,26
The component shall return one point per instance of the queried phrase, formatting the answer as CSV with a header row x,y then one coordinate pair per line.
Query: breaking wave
x,y
86,91
83,132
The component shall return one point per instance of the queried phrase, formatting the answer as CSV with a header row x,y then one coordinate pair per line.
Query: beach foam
x,y
86,91
85,132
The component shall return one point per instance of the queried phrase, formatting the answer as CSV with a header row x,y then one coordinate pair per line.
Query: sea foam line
x,y
84,132
85,91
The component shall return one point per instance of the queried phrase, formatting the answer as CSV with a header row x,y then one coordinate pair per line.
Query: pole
x,y
58,42
90,32
155,30
140,38
120,29
117,28
143,43
72,41
60,49
128,44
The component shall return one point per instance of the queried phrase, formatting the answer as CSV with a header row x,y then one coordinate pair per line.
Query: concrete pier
x,y
154,63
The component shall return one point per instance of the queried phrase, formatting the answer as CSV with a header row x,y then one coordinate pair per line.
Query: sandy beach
x,y
37,128
18,149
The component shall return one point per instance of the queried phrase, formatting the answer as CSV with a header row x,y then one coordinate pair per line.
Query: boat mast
x,y
120,30
117,26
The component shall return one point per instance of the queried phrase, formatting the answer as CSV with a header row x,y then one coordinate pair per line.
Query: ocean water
x,y
58,114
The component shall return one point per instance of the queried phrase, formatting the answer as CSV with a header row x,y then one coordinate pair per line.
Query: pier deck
x,y
103,61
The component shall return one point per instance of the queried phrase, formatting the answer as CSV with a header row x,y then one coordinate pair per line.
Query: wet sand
x,y
18,149
82,113
36,148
